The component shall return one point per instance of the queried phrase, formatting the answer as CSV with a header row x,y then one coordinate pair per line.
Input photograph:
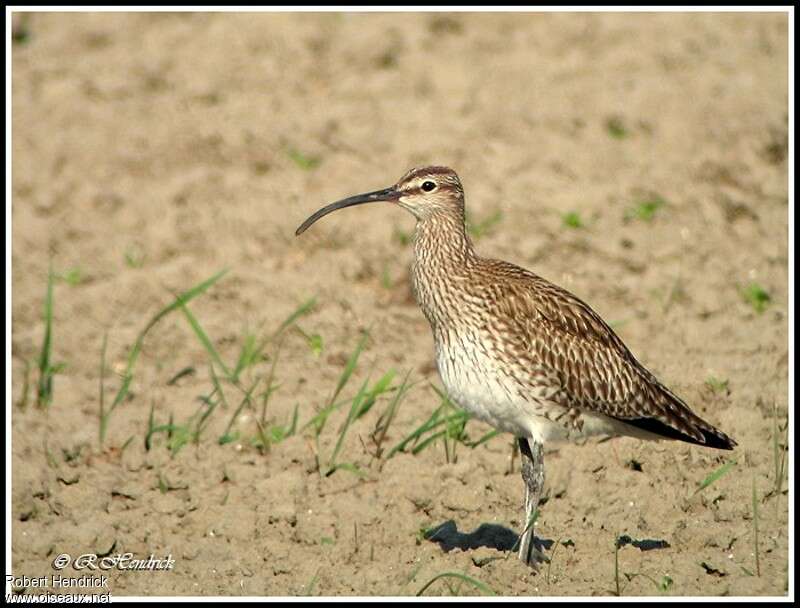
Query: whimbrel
x,y
520,353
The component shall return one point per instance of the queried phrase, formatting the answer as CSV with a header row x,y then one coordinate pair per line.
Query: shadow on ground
x,y
494,536
645,544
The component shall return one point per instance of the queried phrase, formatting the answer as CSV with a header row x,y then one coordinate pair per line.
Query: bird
x,y
519,352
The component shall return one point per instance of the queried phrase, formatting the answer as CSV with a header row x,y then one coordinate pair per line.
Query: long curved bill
x,y
385,195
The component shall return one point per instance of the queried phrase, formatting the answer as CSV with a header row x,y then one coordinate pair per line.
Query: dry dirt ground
x,y
638,160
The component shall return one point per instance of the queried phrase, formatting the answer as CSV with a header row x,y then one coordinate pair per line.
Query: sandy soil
x,y
152,150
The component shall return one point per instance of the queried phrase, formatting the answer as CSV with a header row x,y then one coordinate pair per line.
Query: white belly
x,y
474,382
478,384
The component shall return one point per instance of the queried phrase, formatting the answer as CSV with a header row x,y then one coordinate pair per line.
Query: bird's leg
x,y
532,462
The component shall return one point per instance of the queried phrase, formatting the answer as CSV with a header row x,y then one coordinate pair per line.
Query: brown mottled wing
x,y
594,369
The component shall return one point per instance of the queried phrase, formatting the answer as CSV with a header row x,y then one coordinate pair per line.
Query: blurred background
x,y
639,160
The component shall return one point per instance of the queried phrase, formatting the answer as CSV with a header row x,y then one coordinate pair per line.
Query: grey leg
x,y
532,461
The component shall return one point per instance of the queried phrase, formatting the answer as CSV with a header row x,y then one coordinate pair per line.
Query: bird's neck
x,y
441,241
443,255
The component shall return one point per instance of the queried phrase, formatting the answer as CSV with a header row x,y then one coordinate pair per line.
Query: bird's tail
x,y
676,421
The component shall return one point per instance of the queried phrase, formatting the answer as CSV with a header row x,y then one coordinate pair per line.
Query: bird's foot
x,y
531,550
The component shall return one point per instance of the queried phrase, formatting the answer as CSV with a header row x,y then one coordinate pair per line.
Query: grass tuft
x,y
435,420
446,423
71,276
133,355
304,161
756,296
320,419
179,435
134,257
378,435
21,31
361,404
615,127
572,219
252,351
717,385
646,208
314,341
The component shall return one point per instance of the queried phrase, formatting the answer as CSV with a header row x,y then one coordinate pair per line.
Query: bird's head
x,y
424,192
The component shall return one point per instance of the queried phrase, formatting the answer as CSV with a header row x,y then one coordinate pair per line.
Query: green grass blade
x,y
755,528
312,583
350,366
204,339
305,308
210,407
351,415
321,418
380,387
483,587
416,433
776,449
203,421
304,161
714,476
246,400
386,419
150,426
183,298
489,435
181,435
103,419
421,446
300,311
248,355
432,422
293,427
452,423
271,387
162,428
442,395
44,393
217,386
345,466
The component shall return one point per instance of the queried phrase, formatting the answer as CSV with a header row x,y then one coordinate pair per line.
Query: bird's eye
x,y
428,186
